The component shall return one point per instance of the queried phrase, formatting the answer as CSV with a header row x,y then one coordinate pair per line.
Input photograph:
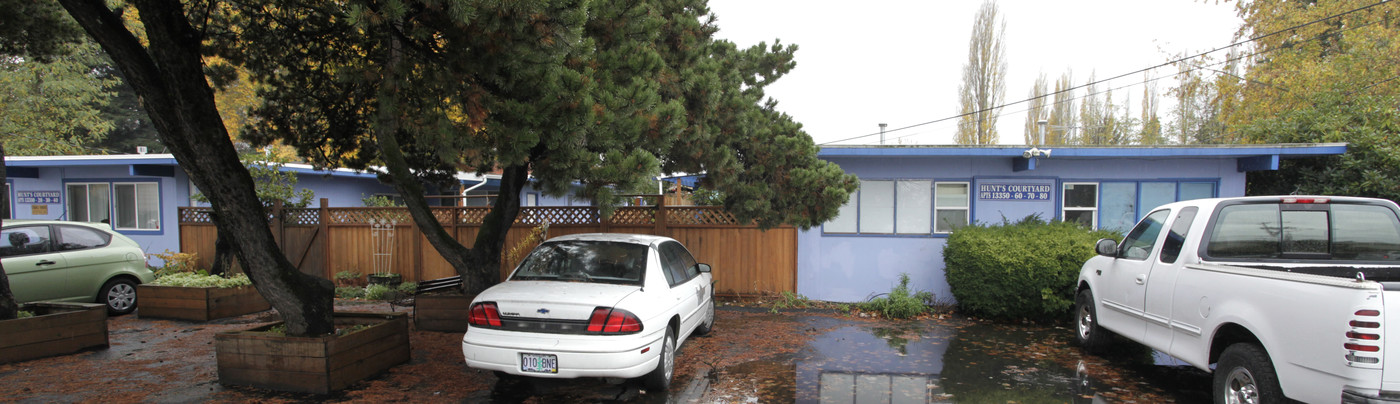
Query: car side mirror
x,y
1106,247
704,268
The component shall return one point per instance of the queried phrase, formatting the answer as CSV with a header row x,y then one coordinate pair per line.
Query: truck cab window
x,y
1139,242
1171,248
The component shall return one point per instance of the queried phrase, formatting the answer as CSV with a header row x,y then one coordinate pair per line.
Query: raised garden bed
x,y
317,365
55,329
442,312
197,303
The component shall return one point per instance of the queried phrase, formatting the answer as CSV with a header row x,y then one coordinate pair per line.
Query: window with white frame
x,y
1081,203
951,201
136,206
886,207
89,202
5,203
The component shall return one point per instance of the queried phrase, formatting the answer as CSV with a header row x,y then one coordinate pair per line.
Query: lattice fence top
x,y
700,216
534,215
633,216
472,215
557,215
366,215
196,215
302,216
443,215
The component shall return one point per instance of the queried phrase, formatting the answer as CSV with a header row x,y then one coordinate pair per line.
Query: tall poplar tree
x,y
1039,96
1151,133
1063,122
983,87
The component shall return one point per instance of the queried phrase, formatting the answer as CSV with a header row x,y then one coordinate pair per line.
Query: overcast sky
x,y
900,61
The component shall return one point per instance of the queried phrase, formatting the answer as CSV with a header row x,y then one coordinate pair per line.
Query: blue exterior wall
x,y
853,267
342,191
174,192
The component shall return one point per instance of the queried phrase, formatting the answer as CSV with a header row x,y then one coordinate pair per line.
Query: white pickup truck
x,y
1282,296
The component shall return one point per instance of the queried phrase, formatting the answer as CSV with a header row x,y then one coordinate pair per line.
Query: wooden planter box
x,y
197,304
317,365
442,312
55,329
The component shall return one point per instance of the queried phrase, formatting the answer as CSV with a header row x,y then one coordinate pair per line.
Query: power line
x,y
1192,69
1168,63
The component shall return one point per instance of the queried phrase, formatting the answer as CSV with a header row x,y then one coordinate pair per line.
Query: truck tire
x,y
1088,333
1246,375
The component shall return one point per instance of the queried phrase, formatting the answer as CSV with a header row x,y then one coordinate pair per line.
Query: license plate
x,y
539,363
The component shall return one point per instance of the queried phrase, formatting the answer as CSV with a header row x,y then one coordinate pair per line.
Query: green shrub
x,y
347,275
900,303
408,288
24,314
202,280
377,291
1026,269
350,292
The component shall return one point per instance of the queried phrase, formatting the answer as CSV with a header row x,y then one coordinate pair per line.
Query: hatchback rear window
x,y
585,261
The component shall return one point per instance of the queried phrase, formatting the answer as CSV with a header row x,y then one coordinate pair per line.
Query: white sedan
x,y
593,305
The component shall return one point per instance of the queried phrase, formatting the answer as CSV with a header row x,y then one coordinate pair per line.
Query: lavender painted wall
x,y
173,192
852,268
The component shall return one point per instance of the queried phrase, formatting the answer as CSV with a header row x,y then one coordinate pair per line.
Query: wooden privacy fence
x,y
324,241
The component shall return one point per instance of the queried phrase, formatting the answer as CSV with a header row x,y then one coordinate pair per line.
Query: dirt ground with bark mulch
x,y
152,360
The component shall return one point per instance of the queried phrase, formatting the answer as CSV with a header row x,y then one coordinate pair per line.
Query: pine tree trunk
x,y
8,308
169,77
223,254
491,238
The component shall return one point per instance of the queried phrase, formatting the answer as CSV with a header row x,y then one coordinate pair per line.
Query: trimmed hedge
x,y
1022,270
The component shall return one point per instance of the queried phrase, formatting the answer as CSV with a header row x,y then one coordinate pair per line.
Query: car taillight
x,y
1364,337
1305,200
608,320
485,314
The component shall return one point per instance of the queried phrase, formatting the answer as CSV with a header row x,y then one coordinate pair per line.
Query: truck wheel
x,y
1086,320
1246,375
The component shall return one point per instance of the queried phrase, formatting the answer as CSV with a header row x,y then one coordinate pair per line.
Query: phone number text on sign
x,y
1013,192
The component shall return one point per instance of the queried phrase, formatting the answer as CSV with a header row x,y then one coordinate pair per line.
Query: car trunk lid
x,y
552,300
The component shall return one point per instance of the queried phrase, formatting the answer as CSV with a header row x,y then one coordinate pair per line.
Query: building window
x,y
913,207
877,207
137,206
89,202
886,207
951,201
845,220
1119,203
532,199
1081,204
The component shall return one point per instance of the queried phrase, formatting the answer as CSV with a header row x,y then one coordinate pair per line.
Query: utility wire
x,y
1168,63
1194,68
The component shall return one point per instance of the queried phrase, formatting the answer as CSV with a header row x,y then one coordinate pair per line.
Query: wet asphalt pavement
x,y
840,359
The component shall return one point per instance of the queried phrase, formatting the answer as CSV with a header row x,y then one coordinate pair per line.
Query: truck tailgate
x,y
1390,375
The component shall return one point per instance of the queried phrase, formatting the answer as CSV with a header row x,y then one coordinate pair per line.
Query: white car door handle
x,y
1141,279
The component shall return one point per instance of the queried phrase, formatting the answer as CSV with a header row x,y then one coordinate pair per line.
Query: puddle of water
x,y
925,362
